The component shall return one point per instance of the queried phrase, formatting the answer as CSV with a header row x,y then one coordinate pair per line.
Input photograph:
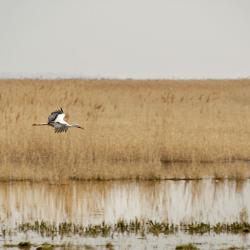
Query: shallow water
x,y
86,203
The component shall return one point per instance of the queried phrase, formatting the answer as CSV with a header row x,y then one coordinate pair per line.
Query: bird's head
x,y
78,126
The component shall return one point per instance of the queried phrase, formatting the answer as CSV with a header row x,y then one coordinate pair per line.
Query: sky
x,y
125,38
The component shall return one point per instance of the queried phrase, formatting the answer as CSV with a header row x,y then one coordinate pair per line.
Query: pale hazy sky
x,y
125,38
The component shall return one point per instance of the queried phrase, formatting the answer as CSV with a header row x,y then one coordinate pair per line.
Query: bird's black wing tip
x,y
58,111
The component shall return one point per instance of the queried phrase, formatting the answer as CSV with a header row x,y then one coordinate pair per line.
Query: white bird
x,y
56,120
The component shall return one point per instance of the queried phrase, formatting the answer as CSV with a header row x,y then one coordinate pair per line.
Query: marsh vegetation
x,y
134,129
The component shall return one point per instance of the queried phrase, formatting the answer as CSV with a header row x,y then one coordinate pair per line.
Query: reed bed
x,y
133,129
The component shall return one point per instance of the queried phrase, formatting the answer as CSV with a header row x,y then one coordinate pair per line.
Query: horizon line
x,y
78,77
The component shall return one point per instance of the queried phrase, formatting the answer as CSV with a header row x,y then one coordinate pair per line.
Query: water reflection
x,y
93,202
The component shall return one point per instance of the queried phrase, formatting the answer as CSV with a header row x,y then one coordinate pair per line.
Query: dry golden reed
x,y
133,129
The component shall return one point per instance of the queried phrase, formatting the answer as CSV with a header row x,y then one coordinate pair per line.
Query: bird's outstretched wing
x,y
59,128
52,117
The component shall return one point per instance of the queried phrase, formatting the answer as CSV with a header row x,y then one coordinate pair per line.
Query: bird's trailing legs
x,y
39,124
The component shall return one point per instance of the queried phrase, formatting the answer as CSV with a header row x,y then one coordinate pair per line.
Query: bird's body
x,y
56,120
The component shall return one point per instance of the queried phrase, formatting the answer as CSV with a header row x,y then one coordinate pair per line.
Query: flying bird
x,y
56,120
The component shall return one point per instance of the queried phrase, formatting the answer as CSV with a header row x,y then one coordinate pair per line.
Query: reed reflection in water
x,y
86,203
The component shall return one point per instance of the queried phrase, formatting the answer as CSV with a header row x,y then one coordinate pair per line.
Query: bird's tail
x,y
39,124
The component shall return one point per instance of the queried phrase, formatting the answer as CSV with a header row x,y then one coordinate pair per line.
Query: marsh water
x,y
176,202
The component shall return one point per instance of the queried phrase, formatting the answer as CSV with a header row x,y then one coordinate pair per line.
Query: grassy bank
x,y
133,129
137,227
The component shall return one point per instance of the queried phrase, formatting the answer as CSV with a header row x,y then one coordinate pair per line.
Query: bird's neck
x,y
74,125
